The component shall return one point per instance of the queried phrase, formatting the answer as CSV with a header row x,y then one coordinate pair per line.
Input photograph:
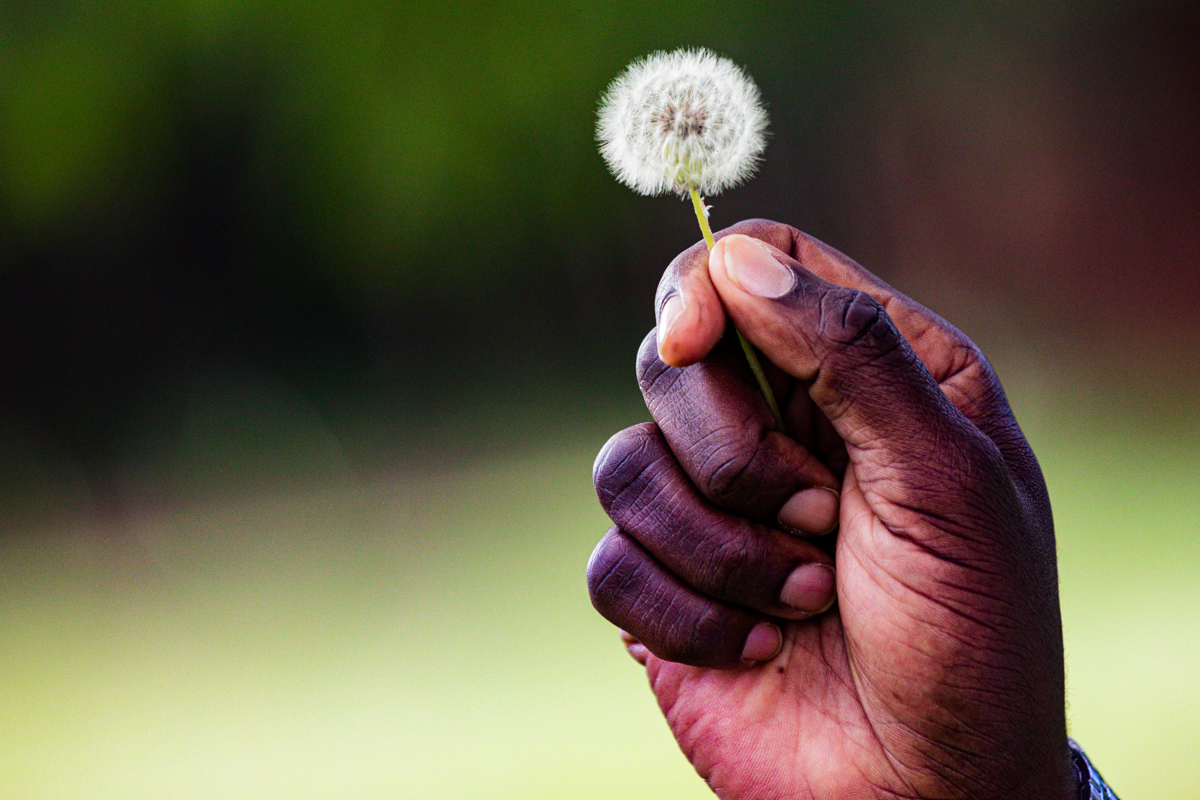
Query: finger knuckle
x,y
853,318
625,590
627,467
614,577
697,636
728,470
652,374
628,589
728,560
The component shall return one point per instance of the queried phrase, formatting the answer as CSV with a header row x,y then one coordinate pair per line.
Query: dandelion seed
x,y
686,122
681,121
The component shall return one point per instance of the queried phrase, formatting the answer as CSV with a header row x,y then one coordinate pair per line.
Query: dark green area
x,y
393,214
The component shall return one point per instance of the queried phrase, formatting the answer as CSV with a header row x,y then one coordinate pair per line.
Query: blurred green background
x,y
314,315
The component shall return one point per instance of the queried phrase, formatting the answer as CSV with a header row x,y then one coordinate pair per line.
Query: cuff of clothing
x,y
1091,784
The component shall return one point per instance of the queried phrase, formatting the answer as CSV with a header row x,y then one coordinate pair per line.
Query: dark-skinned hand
x,y
938,673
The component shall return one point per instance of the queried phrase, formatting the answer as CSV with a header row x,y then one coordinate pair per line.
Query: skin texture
x,y
939,672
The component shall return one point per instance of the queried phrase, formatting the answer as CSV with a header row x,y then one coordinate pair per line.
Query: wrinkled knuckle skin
x,y
731,567
650,369
612,577
622,587
723,450
700,639
729,475
627,466
853,318
626,590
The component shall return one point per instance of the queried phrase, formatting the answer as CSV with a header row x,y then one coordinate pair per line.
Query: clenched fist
x,y
864,605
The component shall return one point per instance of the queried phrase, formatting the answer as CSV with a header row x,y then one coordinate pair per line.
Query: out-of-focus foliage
x,y
378,203
378,134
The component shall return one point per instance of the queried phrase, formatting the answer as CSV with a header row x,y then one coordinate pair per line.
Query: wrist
x,y
1064,783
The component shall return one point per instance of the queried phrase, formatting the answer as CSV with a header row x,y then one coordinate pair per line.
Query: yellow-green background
x,y
315,525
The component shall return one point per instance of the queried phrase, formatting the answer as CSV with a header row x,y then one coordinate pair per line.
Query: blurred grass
x,y
428,634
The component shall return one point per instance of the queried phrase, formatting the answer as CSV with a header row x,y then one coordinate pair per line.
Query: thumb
x,y
860,371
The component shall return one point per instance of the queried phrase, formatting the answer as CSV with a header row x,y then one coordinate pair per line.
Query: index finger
x,y
723,436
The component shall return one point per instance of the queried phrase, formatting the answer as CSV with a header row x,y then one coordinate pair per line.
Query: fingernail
x,y
672,310
810,589
754,269
635,648
762,644
814,510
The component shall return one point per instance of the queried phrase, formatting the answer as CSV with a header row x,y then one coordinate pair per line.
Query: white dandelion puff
x,y
682,121
686,122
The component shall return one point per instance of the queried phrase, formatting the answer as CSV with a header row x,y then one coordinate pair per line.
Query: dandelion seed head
x,y
682,120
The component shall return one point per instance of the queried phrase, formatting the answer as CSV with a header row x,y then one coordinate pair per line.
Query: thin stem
x,y
747,348
702,216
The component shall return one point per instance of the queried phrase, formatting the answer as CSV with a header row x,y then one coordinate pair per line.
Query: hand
x,y
939,673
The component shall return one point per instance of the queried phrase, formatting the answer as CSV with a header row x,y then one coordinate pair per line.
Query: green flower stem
x,y
747,348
